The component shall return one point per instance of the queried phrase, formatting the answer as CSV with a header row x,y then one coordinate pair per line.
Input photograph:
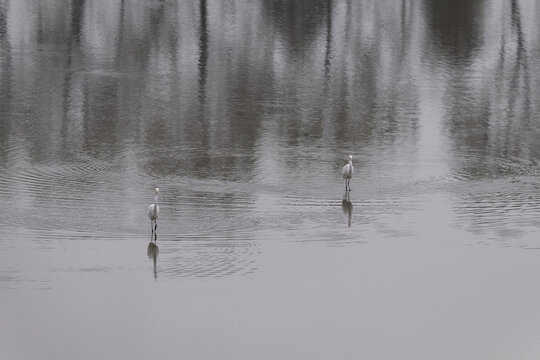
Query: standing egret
x,y
347,173
153,211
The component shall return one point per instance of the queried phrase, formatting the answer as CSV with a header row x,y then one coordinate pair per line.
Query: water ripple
x,y
208,257
506,208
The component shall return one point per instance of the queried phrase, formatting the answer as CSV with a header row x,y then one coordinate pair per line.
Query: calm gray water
x,y
243,113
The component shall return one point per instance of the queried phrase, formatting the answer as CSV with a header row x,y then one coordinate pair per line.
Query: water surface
x,y
243,115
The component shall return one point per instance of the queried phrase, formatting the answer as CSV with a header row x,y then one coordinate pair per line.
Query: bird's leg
x,y
155,226
151,227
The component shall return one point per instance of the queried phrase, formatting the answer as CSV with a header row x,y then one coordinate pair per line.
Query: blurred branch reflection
x,y
266,93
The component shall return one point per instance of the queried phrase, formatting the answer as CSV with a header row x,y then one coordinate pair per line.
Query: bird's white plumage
x,y
348,170
153,209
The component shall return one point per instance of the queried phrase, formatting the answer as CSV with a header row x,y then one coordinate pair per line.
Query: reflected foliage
x,y
489,121
454,27
297,21
201,87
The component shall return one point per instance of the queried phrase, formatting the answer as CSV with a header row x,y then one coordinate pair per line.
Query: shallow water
x,y
243,115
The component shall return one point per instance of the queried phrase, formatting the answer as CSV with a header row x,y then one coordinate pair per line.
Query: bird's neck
x,y
155,200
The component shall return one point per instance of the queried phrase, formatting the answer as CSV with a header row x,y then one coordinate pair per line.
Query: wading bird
x,y
153,211
347,173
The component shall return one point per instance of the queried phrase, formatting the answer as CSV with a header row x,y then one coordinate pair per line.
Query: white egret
x,y
347,173
153,211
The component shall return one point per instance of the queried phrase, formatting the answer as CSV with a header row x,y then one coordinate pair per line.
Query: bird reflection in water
x,y
347,206
153,251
